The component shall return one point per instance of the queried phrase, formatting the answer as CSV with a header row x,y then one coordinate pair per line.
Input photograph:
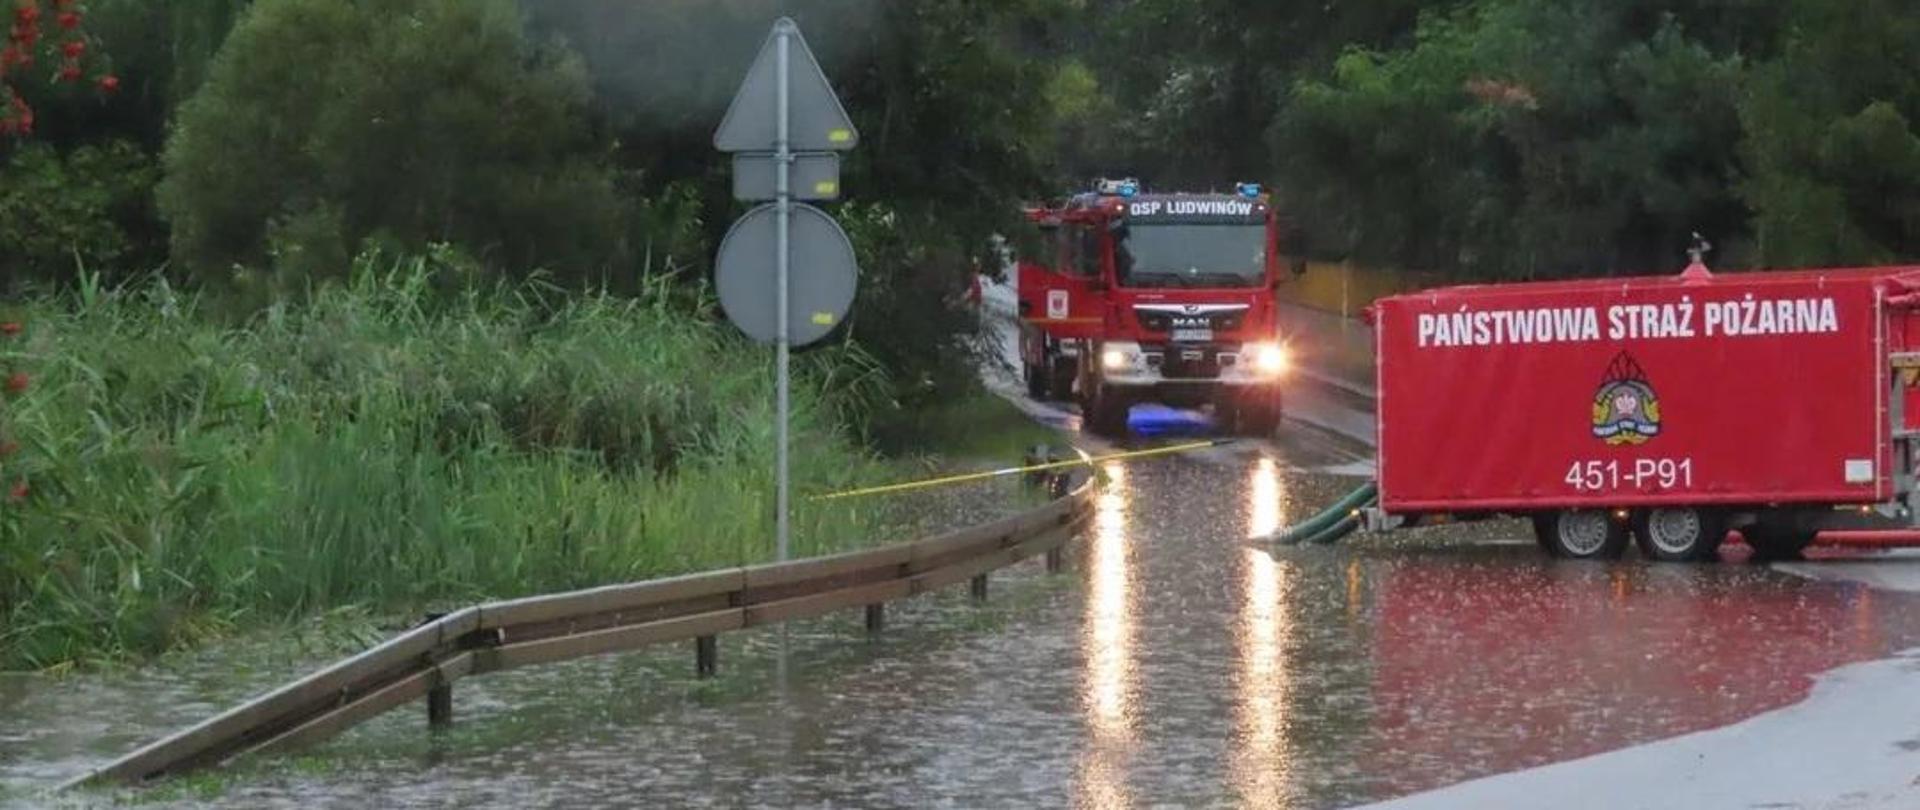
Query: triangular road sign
x,y
819,123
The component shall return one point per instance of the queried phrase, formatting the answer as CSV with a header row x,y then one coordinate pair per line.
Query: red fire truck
x,y
1168,298
1667,409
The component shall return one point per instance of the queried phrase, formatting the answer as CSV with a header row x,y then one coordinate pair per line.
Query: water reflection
x,y
1262,765
1265,505
1107,644
1528,664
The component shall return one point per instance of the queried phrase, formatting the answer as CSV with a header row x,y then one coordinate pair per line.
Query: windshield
x,y
1190,255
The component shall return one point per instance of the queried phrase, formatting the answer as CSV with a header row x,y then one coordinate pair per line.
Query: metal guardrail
x,y
427,660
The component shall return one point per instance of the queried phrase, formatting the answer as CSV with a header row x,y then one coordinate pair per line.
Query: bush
x,y
58,210
322,122
387,445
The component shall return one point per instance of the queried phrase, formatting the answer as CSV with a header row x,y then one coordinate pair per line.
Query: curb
x,y
1334,381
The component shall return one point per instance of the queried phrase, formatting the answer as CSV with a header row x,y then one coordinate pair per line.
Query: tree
x,y
323,123
957,132
1830,145
1520,139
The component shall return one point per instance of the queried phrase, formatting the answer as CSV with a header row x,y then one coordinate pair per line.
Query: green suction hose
x,y
1334,522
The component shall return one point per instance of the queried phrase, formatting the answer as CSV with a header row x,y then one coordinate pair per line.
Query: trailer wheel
x,y
1776,542
1679,533
1580,534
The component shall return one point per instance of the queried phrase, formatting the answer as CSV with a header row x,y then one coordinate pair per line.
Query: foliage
x,y
62,211
1519,139
384,445
1833,159
324,122
46,42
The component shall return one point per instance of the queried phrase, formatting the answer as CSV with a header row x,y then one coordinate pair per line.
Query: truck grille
x,y
1166,319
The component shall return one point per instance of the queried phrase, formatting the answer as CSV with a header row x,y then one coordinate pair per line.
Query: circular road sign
x,y
821,274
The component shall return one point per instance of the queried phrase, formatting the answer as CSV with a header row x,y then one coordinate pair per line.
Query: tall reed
x,y
386,444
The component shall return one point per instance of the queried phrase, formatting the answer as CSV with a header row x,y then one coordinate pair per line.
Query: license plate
x,y
1193,335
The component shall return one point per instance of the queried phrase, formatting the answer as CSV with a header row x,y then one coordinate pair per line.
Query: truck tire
x,y
1679,533
1105,412
1257,414
1773,542
1580,534
1036,382
1060,373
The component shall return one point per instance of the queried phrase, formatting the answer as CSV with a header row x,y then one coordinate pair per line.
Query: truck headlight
x,y
1115,359
1270,359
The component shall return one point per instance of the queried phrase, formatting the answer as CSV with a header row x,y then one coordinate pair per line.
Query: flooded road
x,y
1172,664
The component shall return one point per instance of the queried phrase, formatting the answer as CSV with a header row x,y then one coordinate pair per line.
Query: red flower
x,y
10,328
27,14
110,84
20,491
69,20
70,73
18,382
74,49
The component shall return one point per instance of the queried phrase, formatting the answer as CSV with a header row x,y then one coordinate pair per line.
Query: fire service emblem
x,y
1625,409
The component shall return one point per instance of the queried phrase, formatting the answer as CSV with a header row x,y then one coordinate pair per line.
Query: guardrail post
x,y
706,656
440,706
876,618
1036,455
978,587
1056,560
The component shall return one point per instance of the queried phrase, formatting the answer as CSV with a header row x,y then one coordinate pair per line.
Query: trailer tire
x,y
1679,533
1771,543
1580,534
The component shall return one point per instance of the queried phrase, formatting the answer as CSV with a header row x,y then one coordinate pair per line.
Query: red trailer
x,y
1670,409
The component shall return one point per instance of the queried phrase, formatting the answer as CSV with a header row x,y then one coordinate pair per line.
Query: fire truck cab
x,y
1137,297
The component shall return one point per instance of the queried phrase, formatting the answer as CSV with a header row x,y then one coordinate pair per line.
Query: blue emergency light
x,y
1250,190
1125,188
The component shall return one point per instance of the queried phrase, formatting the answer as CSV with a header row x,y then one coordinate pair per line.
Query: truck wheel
x,y
1679,533
1036,382
1059,382
1771,543
1257,413
1580,534
1106,412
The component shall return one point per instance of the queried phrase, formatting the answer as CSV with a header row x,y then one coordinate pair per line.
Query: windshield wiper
x,y
1139,279
1233,279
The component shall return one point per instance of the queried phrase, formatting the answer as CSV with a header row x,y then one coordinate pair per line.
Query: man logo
x,y
1625,409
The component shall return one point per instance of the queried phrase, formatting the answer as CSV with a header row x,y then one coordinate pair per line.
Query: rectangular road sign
x,y
815,176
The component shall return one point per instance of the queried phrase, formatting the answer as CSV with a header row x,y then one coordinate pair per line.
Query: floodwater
x,y
1173,664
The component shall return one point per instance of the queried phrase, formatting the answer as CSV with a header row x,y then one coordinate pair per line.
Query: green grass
x,y
385,445
981,426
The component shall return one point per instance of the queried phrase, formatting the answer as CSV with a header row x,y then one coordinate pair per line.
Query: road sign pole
x,y
785,125
783,178
783,197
